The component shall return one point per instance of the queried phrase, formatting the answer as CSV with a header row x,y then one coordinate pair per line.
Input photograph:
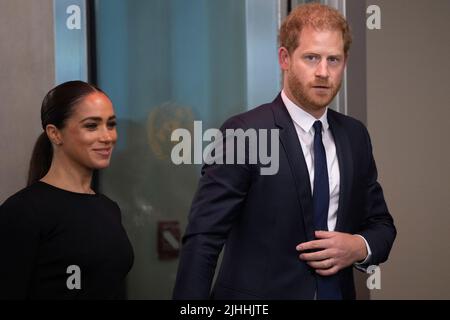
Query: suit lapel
x,y
345,160
292,147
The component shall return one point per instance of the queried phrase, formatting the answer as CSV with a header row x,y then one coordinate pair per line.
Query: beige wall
x,y
26,74
408,118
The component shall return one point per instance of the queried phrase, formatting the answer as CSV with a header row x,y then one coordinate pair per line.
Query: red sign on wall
x,y
169,237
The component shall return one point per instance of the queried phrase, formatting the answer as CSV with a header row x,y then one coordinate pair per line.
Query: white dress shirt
x,y
303,122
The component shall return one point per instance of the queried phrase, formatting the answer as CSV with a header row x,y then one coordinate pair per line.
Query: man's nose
x,y
322,69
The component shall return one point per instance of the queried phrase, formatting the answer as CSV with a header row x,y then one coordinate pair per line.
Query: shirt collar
x,y
301,117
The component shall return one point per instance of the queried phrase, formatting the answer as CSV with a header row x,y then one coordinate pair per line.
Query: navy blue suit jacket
x,y
262,218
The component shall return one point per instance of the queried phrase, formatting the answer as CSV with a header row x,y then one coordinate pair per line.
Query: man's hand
x,y
337,251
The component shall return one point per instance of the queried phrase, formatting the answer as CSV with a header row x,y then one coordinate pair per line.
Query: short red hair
x,y
318,16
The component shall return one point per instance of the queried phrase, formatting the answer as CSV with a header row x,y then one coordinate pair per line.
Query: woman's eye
x,y
112,124
91,126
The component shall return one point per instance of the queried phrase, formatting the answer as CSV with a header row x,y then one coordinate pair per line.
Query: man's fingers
x,y
324,264
316,256
313,245
327,272
325,234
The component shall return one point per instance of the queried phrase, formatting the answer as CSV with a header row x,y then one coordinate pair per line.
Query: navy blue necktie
x,y
327,287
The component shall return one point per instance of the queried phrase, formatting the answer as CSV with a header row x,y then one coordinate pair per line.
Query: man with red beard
x,y
296,234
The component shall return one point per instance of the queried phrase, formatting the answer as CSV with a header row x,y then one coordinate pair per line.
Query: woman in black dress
x,y
58,238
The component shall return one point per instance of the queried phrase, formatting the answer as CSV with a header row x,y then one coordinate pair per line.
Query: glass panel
x,y
71,56
166,63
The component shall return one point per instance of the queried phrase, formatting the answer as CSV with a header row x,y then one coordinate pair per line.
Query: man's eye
x,y
311,58
333,60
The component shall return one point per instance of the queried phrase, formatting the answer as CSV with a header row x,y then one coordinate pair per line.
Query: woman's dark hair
x,y
57,107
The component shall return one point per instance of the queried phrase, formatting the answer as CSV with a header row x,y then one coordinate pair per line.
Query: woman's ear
x,y
54,134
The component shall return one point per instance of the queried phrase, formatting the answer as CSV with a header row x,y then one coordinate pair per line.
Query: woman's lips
x,y
103,151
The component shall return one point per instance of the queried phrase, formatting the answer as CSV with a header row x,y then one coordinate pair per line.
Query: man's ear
x,y
284,58
346,59
54,134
